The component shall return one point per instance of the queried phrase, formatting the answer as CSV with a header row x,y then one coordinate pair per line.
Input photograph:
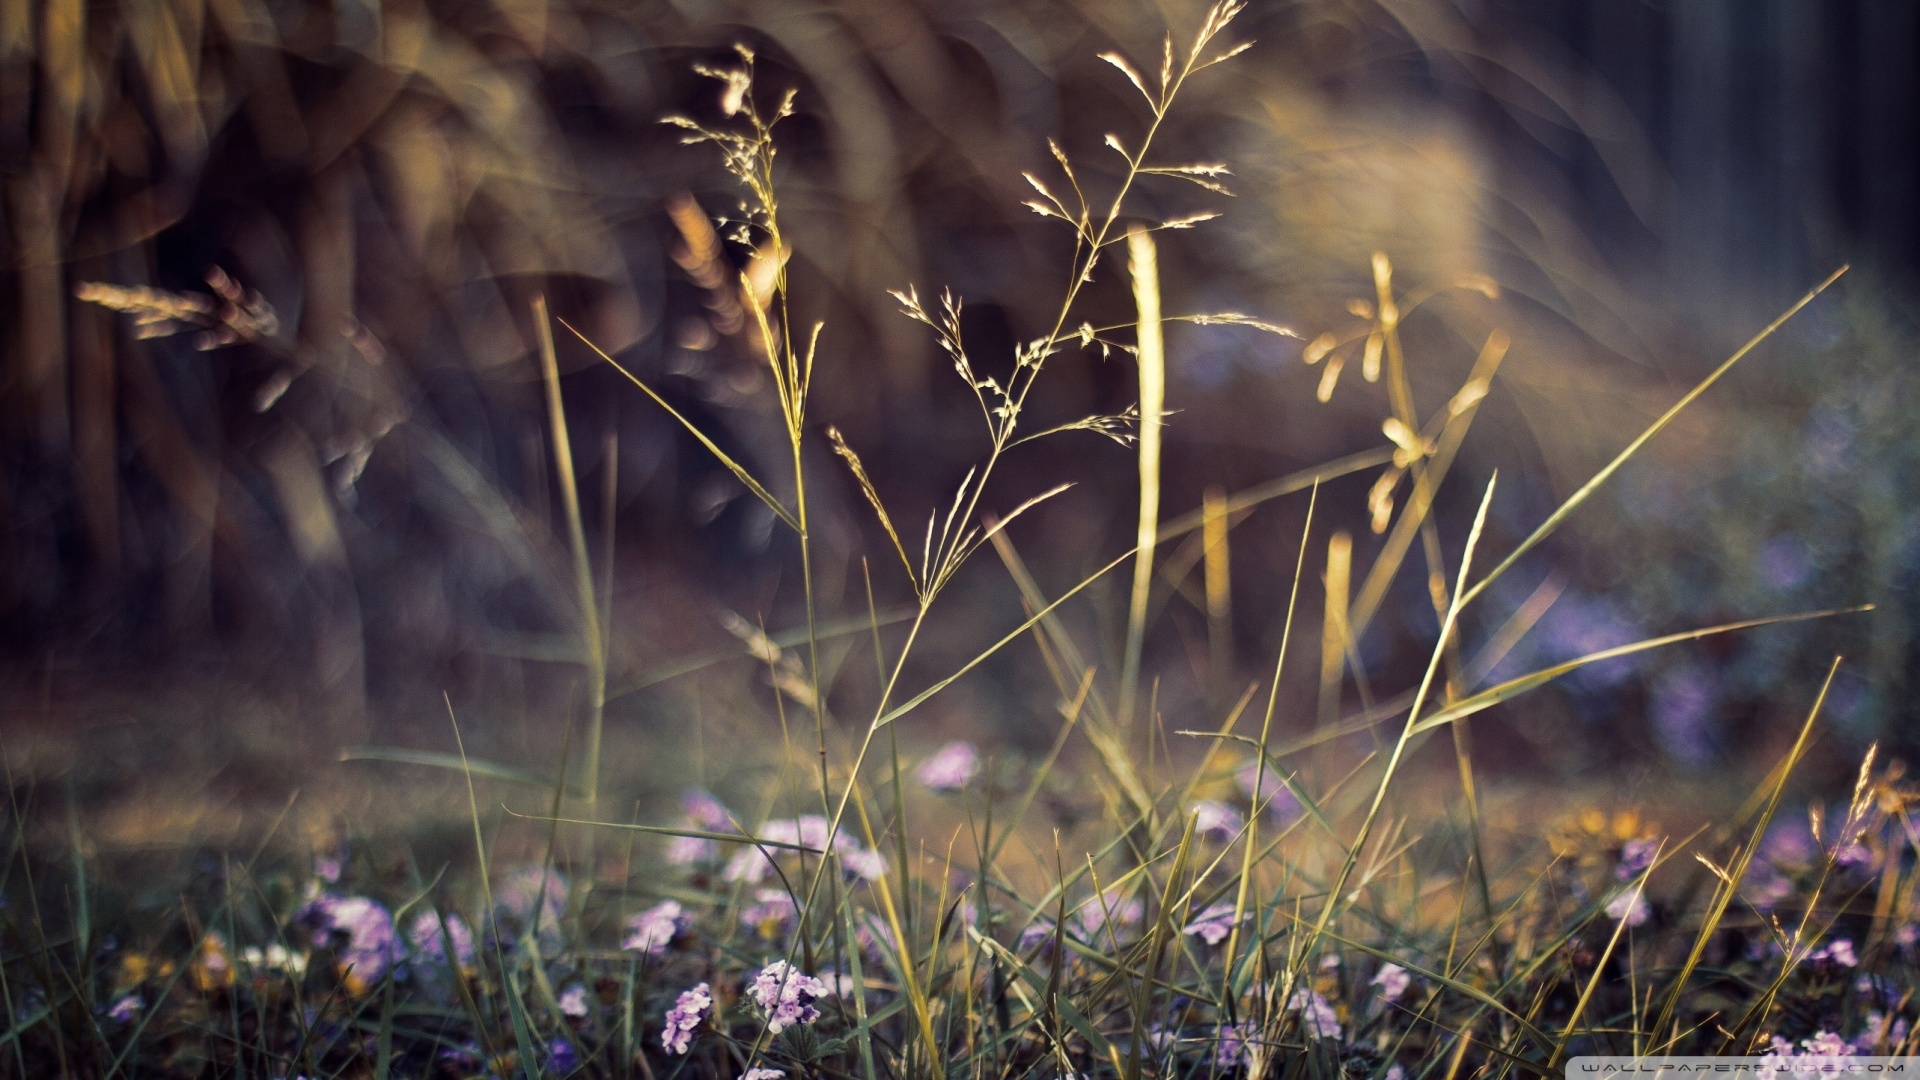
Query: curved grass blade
x,y
1730,885
913,703
733,466
1566,509
785,640
451,762
662,830
1494,695
1274,489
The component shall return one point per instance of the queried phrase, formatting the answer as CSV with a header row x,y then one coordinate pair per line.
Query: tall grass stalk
x,y
587,596
1143,266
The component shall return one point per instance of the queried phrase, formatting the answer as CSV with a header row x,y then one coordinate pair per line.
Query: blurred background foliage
x,y
339,517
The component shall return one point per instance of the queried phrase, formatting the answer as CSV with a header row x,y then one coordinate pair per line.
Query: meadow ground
x,y
951,814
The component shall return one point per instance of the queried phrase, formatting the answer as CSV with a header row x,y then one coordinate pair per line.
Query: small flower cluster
x,y
429,934
1317,1015
950,769
1212,925
689,1011
1280,801
361,933
702,811
809,831
652,930
1214,820
786,995
1107,913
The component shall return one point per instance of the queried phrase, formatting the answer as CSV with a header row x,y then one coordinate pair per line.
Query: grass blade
x,y
1143,265
1574,501
738,470
1492,696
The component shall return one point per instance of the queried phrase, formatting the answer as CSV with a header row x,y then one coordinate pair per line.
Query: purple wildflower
x,y
425,934
1764,887
573,1002
1826,1044
874,936
1635,856
699,810
124,1010
1684,706
360,930
1108,907
1784,563
685,1018
1216,820
1393,981
1316,1014
1212,925
1037,932
864,863
1580,625
703,810
1838,952
770,913
1853,855
1235,1046
561,1057
1789,845
1275,795
786,995
691,850
750,864
1629,907
1876,1034
950,769
652,930
761,1072
534,892
328,868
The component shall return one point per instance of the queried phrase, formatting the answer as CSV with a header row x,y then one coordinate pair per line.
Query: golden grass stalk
x,y
1255,804
593,647
1143,265
1219,581
1333,625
